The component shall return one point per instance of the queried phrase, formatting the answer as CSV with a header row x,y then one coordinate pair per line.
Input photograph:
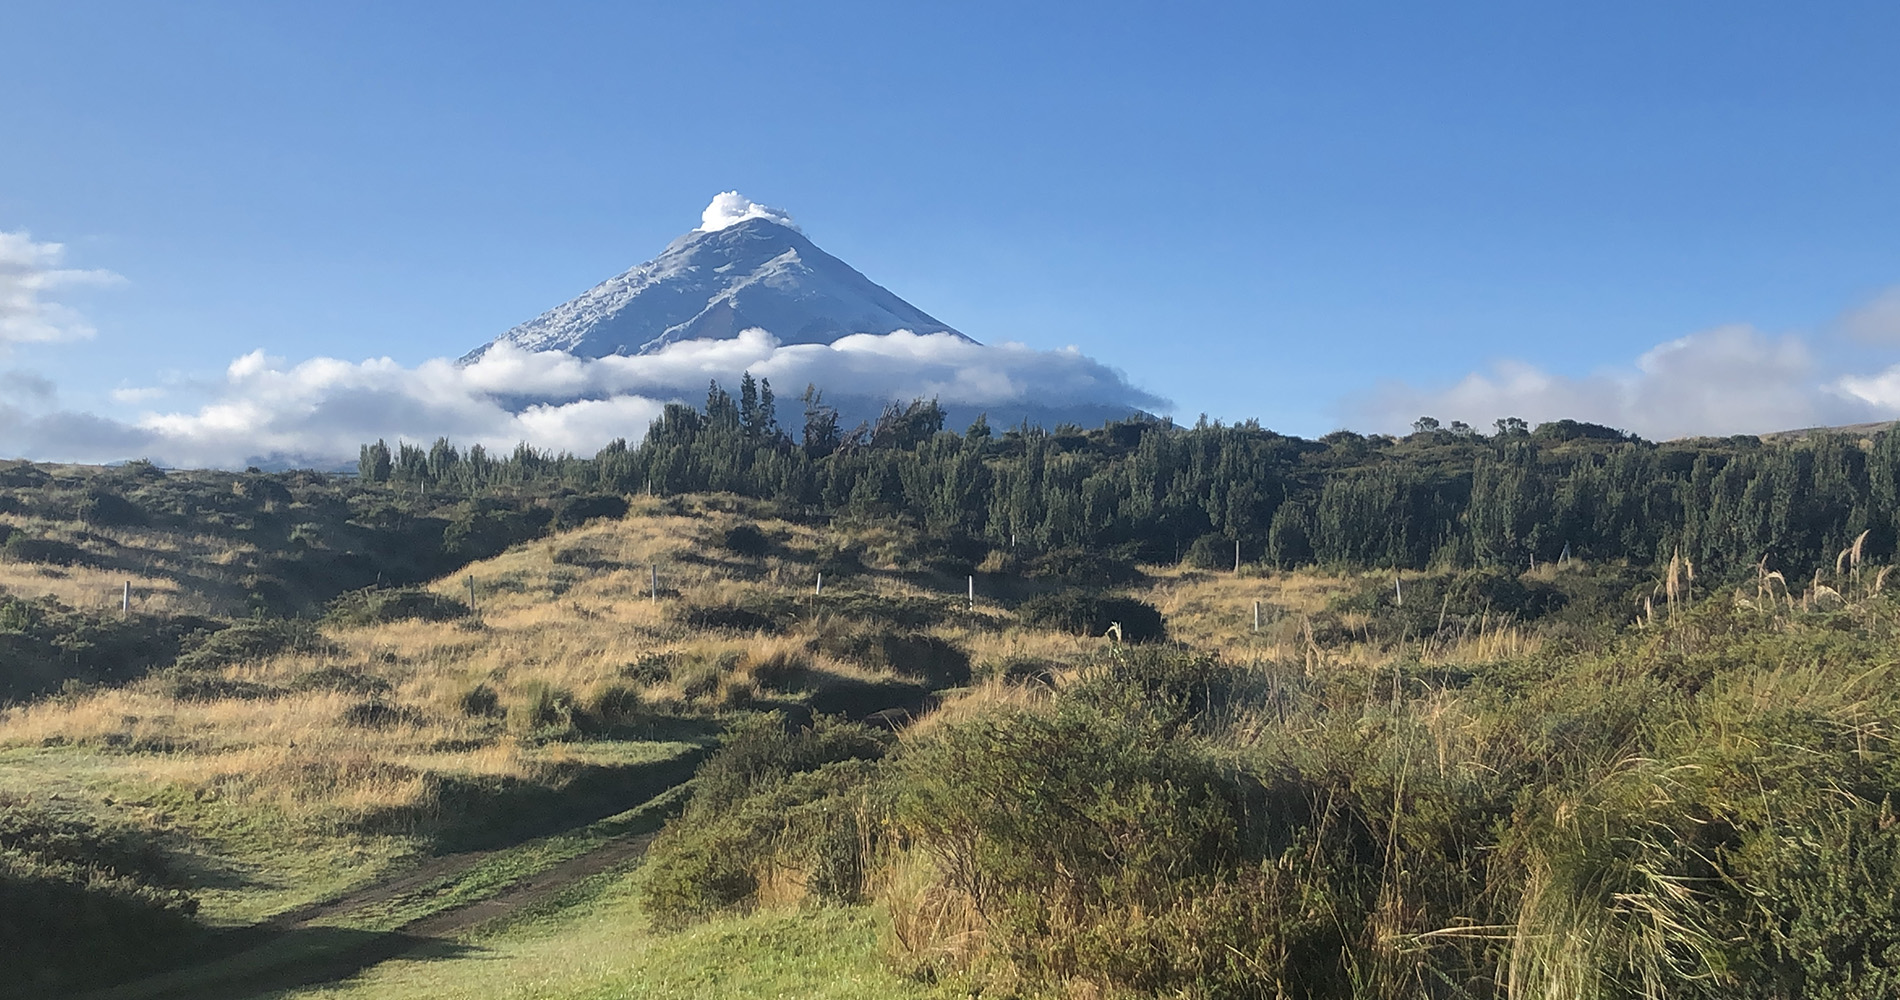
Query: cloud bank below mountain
x,y
317,412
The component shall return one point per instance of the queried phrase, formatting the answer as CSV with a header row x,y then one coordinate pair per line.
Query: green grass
x,y
242,863
279,958
599,948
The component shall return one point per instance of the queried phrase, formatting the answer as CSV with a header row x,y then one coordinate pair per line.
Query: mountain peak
x,y
745,266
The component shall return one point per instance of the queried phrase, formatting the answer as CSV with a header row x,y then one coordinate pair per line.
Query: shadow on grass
x,y
289,959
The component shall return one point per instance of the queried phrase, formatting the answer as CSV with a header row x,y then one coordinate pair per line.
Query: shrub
x,y
614,704
1090,614
543,710
253,640
50,551
765,614
1089,846
193,686
378,714
343,679
744,540
1211,552
774,798
106,509
375,607
479,701
934,661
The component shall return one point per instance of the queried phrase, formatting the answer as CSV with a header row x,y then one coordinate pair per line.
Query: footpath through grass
x,y
421,912
597,947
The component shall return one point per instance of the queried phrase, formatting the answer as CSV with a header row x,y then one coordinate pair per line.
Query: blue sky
x,y
1315,214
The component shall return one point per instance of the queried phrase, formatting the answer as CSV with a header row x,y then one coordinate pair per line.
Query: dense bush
x,y
1093,614
45,645
104,508
378,606
745,540
1700,808
50,551
253,640
920,655
574,511
1085,567
775,802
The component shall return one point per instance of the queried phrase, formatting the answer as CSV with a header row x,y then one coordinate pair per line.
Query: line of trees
x,y
1156,490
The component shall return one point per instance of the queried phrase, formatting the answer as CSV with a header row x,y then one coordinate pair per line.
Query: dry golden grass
x,y
171,572
1215,612
566,620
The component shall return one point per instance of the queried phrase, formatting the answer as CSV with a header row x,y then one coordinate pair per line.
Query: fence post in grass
x,y
471,591
654,568
1256,616
1398,588
1236,555
819,587
972,593
125,602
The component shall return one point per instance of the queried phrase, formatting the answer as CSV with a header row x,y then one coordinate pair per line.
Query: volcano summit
x,y
746,266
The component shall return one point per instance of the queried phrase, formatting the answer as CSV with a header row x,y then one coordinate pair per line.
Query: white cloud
x,y
1728,380
729,208
28,272
318,411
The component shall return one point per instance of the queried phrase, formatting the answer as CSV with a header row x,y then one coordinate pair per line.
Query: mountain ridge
x,y
710,284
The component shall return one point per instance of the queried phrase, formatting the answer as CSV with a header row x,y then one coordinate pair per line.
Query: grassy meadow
x,y
1588,780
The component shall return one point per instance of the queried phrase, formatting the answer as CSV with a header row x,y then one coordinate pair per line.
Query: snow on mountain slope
x,y
746,266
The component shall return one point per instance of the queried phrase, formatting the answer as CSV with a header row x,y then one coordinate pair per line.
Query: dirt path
x,y
300,948
530,890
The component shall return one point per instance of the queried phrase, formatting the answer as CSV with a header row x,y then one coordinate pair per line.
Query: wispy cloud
x,y
1728,380
29,273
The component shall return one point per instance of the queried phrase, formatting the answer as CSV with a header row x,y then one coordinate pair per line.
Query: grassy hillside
x,y
1590,780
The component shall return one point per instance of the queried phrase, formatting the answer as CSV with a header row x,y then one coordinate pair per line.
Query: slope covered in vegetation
x,y
1381,756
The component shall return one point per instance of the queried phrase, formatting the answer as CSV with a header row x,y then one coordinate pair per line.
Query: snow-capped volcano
x,y
745,266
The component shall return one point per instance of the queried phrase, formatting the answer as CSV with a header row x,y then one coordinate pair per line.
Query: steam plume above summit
x,y
729,208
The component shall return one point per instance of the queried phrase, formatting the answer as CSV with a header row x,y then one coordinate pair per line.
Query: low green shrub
x,y
744,539
1082,613
1085,567
25,548
374,606
920,655
775,799
251,641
